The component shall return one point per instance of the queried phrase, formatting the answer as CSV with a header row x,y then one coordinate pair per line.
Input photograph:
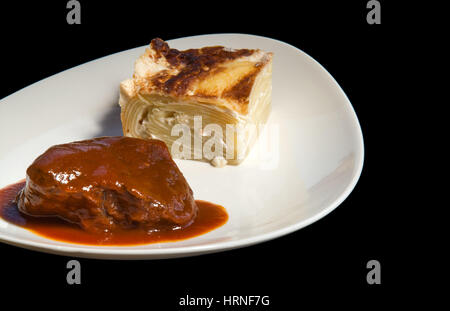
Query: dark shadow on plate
x,y
110,124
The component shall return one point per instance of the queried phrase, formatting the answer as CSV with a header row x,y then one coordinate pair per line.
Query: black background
x,y
324,263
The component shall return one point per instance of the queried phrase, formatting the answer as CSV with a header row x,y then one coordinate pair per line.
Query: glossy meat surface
x,y
109,183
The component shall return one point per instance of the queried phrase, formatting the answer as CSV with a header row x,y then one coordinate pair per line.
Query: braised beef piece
x,y
109,183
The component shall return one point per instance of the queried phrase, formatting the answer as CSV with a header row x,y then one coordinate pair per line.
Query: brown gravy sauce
x,y
210,216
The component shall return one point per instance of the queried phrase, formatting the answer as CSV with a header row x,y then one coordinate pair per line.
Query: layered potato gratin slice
x,y
205,104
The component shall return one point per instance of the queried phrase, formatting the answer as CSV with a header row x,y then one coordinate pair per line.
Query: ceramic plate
x,y
305,164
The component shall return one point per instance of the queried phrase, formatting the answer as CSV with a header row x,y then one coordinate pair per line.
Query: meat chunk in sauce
x,y
109,183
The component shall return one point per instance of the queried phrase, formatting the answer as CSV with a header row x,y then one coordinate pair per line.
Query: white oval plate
x,y
306,165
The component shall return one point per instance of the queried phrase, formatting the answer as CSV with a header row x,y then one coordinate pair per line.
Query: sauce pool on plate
x,y
210,216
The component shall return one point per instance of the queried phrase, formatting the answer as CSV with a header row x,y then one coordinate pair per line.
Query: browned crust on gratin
x,y
196,64
241,90
196,59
